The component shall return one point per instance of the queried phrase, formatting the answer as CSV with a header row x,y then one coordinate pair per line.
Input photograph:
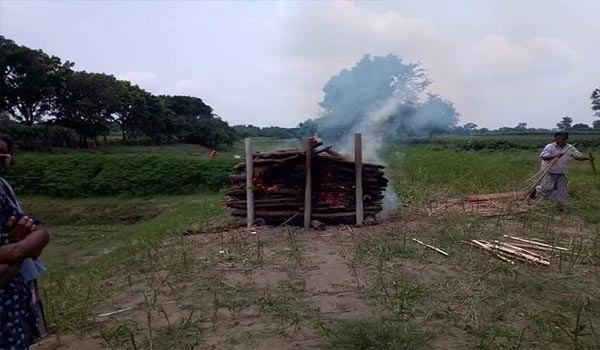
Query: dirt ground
x,y
284,288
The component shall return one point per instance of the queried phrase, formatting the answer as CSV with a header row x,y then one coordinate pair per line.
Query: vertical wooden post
x,y
249,185
359,178
308,184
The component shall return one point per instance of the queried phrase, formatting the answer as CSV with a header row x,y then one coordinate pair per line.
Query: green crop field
x,y
282,288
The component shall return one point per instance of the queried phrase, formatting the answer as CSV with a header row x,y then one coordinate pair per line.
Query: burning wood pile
x,y
279,181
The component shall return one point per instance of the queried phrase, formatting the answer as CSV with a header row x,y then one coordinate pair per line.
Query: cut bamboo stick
x,y
523,254
431,247
536,243
515,253
519,249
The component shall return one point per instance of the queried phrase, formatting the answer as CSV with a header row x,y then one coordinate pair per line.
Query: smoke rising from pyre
x,y
385,99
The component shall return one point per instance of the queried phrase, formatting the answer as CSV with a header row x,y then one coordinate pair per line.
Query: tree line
x,y
43,100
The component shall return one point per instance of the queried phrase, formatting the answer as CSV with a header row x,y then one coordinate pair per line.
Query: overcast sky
x,y
265,63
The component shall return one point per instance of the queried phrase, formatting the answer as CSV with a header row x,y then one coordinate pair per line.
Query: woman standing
x,y
21,242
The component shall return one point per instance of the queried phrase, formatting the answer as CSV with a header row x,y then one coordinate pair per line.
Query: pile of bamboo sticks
x,y
531,251
279,181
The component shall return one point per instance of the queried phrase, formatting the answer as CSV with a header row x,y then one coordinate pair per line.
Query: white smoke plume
x,y
373,142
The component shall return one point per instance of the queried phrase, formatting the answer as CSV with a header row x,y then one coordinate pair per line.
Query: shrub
x,y
479,145
108,175
39,137
376,334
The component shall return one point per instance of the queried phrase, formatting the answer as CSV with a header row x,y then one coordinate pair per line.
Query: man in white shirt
x,y
554,186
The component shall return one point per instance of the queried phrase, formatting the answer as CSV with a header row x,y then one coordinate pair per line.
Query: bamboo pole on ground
x,y
431,247
359,179
249,185
308,149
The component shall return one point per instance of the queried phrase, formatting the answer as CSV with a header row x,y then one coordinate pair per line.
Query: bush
x,y
39,137
60,136
478,145
376,334
108,175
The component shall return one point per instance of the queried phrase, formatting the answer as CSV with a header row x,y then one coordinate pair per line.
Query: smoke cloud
x,y
384,99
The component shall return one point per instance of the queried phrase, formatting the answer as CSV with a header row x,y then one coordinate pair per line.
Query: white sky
x,y
264,63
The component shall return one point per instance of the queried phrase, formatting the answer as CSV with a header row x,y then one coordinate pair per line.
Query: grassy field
x,y
344,288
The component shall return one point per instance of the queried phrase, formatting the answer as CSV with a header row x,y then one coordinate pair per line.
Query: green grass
x,y
376,335
87,251
104,247
421,174
81,175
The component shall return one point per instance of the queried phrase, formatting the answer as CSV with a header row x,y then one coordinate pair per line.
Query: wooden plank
x,y
249,185
360,215
308,147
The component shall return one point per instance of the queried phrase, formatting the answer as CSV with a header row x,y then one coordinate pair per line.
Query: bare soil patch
x,y
284,288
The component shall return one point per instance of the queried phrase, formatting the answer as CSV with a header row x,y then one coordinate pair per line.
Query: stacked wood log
x,y
279,180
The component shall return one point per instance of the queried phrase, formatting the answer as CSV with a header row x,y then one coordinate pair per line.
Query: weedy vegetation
x,y
194,280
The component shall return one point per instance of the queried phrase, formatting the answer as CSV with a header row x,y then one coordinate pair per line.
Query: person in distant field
x,y
554,186
22,320
213,154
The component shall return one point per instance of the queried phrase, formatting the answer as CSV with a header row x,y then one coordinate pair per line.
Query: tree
x,y
197,122
434,116
88,103
470,127
189,106
352,95
132,110
153,119
307,128
29,81
596,102
596,124
275,132
34,87
382,96
581,126
565,123
521,126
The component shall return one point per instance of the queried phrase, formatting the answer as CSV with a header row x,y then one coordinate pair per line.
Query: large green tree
x,y
195,122
36,87
29,81
188,106
132,111
88,102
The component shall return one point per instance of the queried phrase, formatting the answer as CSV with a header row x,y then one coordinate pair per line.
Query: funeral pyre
x,y
279,187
